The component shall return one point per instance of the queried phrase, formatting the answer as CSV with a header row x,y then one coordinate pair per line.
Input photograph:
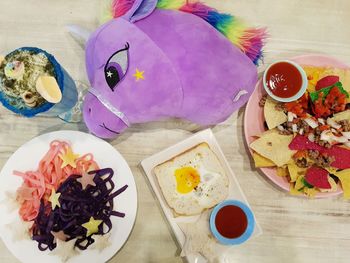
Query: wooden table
x,y
295,229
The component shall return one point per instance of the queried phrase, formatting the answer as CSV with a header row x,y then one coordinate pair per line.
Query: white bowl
x,y
303,85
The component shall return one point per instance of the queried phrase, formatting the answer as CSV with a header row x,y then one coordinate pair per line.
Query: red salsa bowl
x,y
285,81
232,222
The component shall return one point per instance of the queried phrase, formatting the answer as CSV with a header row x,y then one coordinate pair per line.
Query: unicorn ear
x,y
140,10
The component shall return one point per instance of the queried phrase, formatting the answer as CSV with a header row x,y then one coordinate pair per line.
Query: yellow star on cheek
x,y
69,158
54,199
92,226
139,75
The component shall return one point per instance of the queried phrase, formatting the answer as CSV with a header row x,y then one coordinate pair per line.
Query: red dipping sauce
x,y
231,221
283,80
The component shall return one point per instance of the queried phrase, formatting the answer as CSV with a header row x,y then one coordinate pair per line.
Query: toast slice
x,y
213,181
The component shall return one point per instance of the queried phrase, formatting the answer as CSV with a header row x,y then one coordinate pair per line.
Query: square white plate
x,y
235,191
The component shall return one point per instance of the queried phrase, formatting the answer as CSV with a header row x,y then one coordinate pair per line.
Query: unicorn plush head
x,y
159,59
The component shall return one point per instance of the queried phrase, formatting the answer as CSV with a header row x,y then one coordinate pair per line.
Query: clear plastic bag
x,y
200,243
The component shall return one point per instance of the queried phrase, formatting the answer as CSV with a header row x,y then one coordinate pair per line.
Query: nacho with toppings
x,y
308,140
272,116
274,146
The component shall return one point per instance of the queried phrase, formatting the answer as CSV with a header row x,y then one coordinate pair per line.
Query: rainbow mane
x,y
249,40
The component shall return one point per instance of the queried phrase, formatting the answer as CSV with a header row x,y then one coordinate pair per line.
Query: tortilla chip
x,y
313,75
261,161
295,171
344,177
341,155
299,184
340,116
310,192
282,171
260,134
324,72
272,116
294,191
274,147
331,170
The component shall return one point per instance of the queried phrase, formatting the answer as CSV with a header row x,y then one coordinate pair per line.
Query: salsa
x,y
283,80
231,221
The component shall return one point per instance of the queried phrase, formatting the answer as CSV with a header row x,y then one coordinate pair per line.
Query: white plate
x,y
235,191
27,157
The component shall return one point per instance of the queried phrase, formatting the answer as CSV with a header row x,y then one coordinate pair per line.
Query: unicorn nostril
x,y
89,110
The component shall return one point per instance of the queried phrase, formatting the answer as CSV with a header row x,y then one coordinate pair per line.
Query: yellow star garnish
x,y
92,226
54,199
139,75
69,158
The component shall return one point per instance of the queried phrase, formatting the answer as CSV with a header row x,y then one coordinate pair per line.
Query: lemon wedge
x,y
48,88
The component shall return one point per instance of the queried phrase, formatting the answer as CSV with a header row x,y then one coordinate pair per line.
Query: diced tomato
x,y
300,106
324,127
300,154
334,102
320,109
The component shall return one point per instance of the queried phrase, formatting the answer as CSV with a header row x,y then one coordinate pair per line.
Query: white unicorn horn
x,y
80,34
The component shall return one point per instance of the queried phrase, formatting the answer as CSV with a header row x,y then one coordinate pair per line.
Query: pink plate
x,y
254,116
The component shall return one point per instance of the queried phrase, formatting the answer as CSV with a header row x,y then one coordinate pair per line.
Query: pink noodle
x,y
49,176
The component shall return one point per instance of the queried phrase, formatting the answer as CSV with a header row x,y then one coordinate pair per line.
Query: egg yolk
x,y
187,178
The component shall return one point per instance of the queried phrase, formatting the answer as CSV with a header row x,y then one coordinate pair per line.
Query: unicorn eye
x,y
116,67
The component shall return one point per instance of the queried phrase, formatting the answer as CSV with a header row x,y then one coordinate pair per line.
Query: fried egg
x,y
193,181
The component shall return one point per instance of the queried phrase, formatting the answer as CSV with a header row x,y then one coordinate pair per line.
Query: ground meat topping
x,y
313,154
302,163
320,159
263,101
285,132
303,125
322,143
317,131
280,107
288,127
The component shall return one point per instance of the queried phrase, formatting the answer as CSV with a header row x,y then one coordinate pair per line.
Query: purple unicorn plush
x,y
152,62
